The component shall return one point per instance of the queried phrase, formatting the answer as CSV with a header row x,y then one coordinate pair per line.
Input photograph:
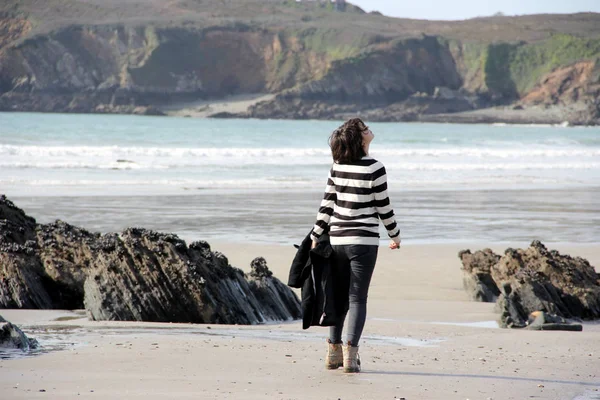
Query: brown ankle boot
x,y
334,358
351,358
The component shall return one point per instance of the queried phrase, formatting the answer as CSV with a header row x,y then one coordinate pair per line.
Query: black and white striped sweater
x,y
355,200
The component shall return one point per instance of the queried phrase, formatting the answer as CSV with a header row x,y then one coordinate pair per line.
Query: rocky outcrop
x,y
477,278
534,279
21,273
99,103
414,108
137,275
11,337
421,105
148,276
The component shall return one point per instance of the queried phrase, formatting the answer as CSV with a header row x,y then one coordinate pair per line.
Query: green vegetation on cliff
x,y
308,53
335,44
529,63
497,70
511,69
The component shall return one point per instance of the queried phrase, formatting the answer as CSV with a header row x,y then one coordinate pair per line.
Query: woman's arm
x,y
383,205
325,211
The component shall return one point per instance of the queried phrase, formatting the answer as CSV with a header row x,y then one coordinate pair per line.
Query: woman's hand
x,y
314,244
395,243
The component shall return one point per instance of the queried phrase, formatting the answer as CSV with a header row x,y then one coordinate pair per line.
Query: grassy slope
x,y
528,64
513,68
284,14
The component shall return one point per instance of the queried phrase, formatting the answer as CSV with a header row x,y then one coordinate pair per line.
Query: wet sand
x,y
424,339
567,215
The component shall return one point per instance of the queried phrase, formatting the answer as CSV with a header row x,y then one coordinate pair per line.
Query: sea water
x,y
261,181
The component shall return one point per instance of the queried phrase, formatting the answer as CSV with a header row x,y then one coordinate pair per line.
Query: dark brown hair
x,y
346,142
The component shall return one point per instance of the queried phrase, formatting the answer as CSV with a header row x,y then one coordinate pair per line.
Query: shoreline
x,y
237,106
560,116
426,217
174,191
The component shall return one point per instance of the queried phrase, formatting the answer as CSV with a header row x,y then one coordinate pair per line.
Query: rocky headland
x,y
313,60
534,287
135,275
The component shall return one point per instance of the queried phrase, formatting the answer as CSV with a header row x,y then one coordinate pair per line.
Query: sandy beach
x,y
424,339
236,104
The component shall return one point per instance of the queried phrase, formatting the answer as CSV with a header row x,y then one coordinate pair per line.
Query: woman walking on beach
x,y
355,200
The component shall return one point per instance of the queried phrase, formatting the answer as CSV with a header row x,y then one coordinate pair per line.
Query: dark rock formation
x,y
270,292
259,268
21,271
11,337
137,275
149,276
41,266
412,108
534,279
477,279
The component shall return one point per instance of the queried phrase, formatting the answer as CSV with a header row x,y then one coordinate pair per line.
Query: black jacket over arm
x,y
323,302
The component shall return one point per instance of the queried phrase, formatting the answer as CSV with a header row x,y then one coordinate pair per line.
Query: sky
x,y
463,9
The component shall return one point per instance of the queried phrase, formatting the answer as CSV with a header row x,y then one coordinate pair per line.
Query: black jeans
x,y
354,263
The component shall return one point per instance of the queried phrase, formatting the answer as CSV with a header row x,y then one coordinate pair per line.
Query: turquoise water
x,y
132,154
448,182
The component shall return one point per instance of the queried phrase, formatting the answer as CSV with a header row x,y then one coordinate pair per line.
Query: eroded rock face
x,y
373,81
565,85
535,279
41,266
137,275
143,275
477,280
21,271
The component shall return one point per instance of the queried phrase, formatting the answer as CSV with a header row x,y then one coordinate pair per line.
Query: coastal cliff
x,y
317,62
